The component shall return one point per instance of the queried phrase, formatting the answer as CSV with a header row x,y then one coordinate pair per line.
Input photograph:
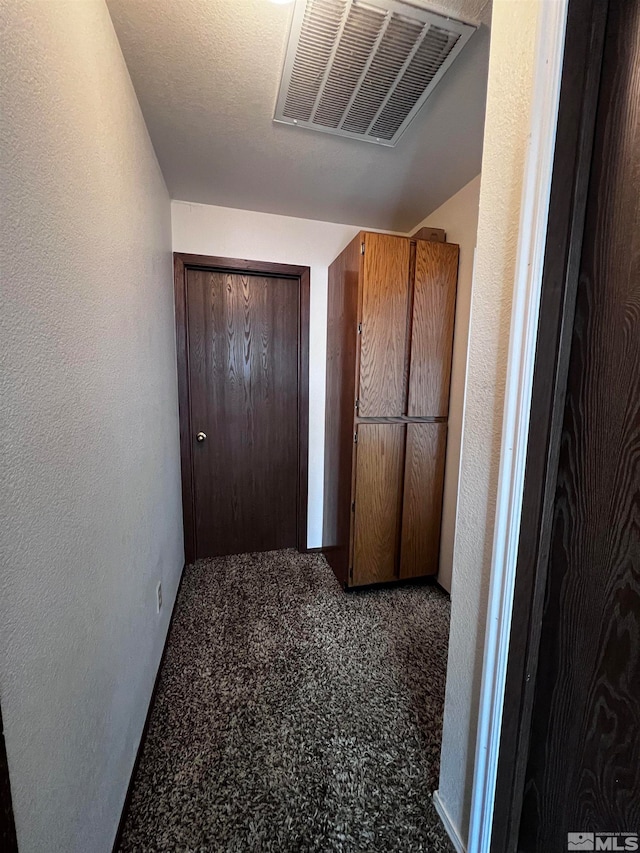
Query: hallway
x,y
291,716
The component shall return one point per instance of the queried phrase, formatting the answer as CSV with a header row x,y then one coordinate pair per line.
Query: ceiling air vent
x,y
364,69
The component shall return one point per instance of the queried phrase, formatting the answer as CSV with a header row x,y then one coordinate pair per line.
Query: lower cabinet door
x,y
422,504
378,502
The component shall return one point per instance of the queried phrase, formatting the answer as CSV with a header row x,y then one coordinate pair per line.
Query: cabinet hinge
x,y
359,328
362,248
355,438
353,506
357,404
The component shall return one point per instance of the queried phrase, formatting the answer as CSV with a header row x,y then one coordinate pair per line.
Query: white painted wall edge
x,y
448,824
522,345
464,396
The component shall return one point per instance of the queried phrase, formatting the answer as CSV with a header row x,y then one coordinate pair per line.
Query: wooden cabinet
x,y
434,306
378,501
426,444
390,335
383,326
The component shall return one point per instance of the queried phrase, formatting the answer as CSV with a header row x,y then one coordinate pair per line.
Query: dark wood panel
x,y
303,408
243,360
241,265
8,841
378,502
434,305
385,297
297,276
340,406
576,120
184,408
422,504
583,770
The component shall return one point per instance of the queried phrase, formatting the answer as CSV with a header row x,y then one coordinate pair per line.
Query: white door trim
x,y
448,824
522,345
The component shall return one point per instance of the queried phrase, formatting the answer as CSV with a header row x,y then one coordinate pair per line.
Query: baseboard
x,y
452,832
145,728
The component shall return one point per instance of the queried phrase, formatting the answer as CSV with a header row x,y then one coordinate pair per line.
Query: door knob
x,y
201,436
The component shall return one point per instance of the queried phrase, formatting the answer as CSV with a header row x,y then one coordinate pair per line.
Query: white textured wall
x,y
89,491
225,232
508,121
459,218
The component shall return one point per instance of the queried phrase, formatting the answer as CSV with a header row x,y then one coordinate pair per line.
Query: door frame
x,y
586,22
523,514
546,83
7,821
300,277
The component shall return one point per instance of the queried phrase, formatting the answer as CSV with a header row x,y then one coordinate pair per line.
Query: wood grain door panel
x,y
342,310
583,761
383,341
378,502
422,504
434,305
243,388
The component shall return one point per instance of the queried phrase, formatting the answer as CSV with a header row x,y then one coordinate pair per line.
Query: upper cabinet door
x,y
383,344
434,305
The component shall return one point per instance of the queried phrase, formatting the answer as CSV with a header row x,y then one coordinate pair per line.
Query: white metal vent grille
x,y
363,68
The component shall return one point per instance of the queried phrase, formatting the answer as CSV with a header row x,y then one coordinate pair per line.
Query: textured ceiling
x,y
206,73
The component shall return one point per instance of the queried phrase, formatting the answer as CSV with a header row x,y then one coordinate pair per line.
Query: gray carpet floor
x,y
292,716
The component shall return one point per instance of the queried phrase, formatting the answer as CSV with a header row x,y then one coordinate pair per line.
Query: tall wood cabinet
x,y
390,335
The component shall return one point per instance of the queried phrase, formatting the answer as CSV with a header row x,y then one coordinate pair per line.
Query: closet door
x,y
378,502
383,341
434,305
422,505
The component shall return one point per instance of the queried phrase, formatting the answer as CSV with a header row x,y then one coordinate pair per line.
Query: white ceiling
x,y
206,73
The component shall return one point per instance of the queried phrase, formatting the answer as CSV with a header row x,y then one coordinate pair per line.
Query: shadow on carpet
x,y
291,716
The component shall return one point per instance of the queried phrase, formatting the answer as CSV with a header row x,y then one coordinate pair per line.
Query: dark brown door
x,y
243,391
583,768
